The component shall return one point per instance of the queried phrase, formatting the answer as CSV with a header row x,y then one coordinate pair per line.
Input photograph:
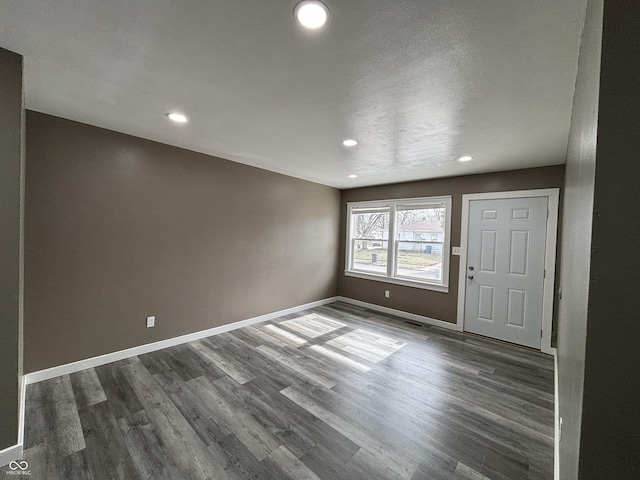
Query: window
x,y
400,241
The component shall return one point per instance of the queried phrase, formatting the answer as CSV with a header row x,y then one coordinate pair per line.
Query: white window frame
x,y
392,243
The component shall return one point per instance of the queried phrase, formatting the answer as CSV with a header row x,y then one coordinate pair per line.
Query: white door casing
x,y
509,238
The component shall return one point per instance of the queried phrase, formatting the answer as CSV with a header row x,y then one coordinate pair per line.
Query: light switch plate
x,y
455,250
151,322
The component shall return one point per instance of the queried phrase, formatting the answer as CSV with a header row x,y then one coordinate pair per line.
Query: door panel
x,y
516,309
505,269
488,251
485,303
519,253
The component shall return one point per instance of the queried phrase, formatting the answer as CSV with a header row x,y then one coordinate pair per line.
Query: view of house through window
x,y
420,242
400,239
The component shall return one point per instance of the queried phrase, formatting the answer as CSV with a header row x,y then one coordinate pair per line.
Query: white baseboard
x,y
68,368
10,454
21,409
556,443
41,375
14,452
400,313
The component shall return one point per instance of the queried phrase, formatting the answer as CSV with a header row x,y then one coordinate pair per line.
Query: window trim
x,y
392,242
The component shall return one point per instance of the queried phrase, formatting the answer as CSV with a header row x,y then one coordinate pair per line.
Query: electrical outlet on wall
x,y
151,322
386,294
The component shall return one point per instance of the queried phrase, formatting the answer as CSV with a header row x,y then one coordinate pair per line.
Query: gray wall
x,y
11,168
576,241
438,305
118,228
610,436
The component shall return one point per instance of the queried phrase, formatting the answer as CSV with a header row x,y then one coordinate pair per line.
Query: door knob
x,y
470,277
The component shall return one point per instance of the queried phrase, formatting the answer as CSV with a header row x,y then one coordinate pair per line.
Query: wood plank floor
x,y
337,392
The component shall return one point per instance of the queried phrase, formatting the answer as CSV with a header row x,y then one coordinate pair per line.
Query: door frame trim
x,y
553,196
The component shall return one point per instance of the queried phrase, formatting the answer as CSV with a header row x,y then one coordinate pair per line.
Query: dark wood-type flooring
x,y
337,392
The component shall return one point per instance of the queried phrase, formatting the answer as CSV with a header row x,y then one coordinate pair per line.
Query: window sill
x,y
398,281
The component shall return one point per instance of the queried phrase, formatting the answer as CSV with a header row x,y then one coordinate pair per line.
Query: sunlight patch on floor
x,y
312,325
340,358
367,345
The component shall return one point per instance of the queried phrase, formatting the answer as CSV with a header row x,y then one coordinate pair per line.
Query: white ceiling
x,y
417,83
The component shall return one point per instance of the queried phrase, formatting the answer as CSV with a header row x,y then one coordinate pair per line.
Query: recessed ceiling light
x,y
177,117
311,14
466,158
349,142
353,176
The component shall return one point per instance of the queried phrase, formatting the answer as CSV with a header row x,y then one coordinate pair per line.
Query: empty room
x,y
337,239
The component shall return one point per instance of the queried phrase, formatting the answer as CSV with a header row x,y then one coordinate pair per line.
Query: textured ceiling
x,y
417,83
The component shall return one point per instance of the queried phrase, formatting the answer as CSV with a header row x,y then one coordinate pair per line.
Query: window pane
x,y
370,225
370,232
370,256
421,260
421,224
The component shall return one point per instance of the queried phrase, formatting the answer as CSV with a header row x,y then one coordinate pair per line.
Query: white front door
x,y
505,269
